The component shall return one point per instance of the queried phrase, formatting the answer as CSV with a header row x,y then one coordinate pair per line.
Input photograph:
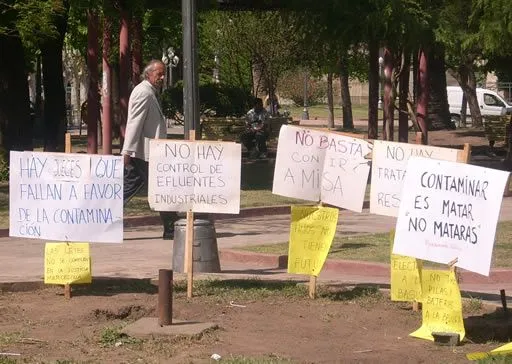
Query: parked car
x,y
490,103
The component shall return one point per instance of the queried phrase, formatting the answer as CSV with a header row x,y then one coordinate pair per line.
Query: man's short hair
x,y
257,101
150,67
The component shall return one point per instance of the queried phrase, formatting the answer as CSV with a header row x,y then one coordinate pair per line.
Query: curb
x,y
356,267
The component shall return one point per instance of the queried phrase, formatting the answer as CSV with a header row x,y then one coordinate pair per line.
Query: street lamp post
x,y
216,60
305,112
171,60
381,82
216,69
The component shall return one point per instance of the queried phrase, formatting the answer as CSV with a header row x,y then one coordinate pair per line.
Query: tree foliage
x,y
261,42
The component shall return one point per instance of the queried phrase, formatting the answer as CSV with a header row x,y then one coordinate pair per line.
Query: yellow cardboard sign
x,y
311,233
502,350
405,276
67,263
442,305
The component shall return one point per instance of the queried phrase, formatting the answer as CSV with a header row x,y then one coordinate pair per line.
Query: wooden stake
x,y
189,241
67,149
67,143
312,279
419,140
504,301
67,291
312,287
464,155
507,191
419,137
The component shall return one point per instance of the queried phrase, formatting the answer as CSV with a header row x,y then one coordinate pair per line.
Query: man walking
x,y
145,122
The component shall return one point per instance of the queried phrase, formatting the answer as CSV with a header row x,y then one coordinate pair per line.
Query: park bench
x,y
229,129
496,129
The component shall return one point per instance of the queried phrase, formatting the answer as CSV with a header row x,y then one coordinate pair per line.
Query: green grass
x,y
376,247
6,360
112,336
244,290
241,289
8,338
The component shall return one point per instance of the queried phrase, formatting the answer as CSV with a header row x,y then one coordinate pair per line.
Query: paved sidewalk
x,y
143,252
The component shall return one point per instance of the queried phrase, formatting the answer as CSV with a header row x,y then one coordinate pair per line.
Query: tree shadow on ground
x,y
470,133
344,293
104,286
258,174
495,326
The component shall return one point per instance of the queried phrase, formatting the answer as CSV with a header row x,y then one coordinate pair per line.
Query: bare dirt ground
x,y
278,324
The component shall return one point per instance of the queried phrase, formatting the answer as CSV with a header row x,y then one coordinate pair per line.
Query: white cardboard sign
x,y
389,161
321,166
449,210
66,197
202,176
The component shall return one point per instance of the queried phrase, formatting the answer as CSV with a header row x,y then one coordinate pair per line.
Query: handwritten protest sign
x,y
199,176
389,161
67,263
66,197
405,276
449,210
311,233
321,166
441,305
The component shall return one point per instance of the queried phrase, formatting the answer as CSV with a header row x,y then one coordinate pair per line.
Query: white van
x,y
489,101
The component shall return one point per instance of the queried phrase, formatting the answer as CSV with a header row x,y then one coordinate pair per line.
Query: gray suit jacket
x,y
145,121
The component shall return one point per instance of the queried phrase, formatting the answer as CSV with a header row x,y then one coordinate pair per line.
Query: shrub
x,y
215,100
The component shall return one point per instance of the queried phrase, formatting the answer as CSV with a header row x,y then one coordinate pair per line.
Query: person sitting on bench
x,y
254,138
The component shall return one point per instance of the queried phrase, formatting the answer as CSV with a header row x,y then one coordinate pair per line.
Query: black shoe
x,y
168,235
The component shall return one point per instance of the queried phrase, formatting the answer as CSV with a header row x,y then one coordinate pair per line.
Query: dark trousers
x,y
250,138
135,177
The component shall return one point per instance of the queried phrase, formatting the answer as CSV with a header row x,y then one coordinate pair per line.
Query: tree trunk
x,y
107,87
373,91
463,110
124,67
346,103
330,102
38,107
389,102
415,67
15,122
403,95
53,82
137,49
423,95
438,109
77,102
468,84
93,103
